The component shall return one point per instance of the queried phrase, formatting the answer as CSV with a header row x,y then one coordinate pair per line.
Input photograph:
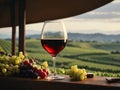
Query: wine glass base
x,y
56,77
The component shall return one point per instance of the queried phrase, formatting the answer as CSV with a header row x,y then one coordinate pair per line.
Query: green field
x,y
93,56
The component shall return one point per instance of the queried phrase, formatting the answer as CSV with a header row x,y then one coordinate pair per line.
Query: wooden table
x,y
96,83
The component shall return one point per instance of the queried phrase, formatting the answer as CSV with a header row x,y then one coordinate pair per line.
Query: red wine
x,y
53,46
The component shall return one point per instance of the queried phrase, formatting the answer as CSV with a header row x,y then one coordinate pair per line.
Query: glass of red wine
x,y
53,40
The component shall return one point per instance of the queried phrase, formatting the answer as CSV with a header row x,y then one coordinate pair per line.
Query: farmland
x,y
93,56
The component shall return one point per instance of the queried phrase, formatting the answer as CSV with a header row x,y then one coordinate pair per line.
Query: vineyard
x,y
93,56
5,46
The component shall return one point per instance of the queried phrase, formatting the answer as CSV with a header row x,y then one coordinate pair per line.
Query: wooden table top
x,y
96,83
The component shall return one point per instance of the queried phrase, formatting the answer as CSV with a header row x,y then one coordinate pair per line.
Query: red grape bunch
x,y
30,69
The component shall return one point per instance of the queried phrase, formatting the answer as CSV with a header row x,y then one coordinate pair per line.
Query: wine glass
x,y
53,40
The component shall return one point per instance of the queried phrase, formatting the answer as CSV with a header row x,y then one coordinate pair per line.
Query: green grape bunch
x,y
77,74
9,65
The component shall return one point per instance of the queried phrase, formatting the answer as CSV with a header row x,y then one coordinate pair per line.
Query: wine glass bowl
x,y
54,39
53,46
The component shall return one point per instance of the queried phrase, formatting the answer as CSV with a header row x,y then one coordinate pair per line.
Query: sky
x,y
105,19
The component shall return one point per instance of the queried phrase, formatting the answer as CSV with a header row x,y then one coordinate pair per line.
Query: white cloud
x,y
104,13
116,1
93,26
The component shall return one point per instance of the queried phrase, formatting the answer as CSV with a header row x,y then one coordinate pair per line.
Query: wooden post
x,y
22,22
12,3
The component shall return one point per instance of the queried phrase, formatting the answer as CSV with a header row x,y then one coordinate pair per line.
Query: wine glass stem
x,y
54,67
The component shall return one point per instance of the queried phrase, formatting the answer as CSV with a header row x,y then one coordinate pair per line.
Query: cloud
x,y
109,7
108,11
105,19
116,1
92,26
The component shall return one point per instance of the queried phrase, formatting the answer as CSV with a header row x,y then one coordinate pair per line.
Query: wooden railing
x,y
96,83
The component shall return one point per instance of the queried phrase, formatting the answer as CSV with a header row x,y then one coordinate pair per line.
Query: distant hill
x,y
87,37
4,36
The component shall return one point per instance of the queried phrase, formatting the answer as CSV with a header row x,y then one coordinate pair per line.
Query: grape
x,y
16,66
31,61
60,71
6,58
35,75
2,66
77,74
13,58
32,70
74,68
35,69
21,55
26,62
6,66
4,70
42,74
71,73
46,71
17,61
81,77
45,64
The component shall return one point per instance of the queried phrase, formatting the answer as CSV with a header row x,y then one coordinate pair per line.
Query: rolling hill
x,y
87,37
